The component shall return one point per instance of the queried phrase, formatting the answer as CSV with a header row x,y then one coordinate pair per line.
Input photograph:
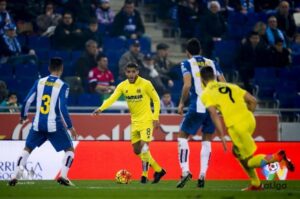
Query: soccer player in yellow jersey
x,y
138,93
237,107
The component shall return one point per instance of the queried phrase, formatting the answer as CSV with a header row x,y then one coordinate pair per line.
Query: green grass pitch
x,y
165,189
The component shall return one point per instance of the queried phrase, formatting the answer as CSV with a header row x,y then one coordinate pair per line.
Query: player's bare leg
x,y
183,157
66,164
21,163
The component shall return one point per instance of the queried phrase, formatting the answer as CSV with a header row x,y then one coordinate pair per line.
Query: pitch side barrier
x,y
116,127
100,160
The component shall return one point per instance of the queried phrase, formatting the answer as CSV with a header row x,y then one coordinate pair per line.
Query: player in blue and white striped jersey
x,y
50,121
197,116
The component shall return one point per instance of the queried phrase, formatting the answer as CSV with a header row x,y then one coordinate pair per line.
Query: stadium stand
x,y
161,27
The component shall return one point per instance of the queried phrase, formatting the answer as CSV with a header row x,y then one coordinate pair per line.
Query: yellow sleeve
x,y
108,102
155,99
207,100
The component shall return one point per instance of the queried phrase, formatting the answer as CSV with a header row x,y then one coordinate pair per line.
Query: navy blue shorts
x,y
60,139
192,121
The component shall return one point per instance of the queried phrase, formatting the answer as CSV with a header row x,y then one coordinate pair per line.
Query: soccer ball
x,y
273,167
123,176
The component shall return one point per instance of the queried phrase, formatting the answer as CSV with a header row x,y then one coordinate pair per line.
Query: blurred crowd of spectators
x,y
82,25
265,31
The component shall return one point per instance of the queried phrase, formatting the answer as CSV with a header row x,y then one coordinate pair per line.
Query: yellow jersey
x,y
228,99
138,96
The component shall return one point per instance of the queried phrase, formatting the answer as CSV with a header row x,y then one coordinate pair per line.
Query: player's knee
x,y
145,148
29,150
136,150
183,134
244,162
236,152
206,137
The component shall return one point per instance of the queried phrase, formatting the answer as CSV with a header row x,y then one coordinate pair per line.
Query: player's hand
x,y
96,112
73,133
180,108
155,124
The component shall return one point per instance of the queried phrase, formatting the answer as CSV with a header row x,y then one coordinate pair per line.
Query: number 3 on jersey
x,y
45,107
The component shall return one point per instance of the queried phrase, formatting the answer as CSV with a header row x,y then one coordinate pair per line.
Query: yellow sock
x,y
253,177
261,160
251,172
153,163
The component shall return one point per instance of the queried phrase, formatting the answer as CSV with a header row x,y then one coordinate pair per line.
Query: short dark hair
x,y
166,92
162,46
11,94
67,12
100,56
132,65
253,33
207,73
56,63
193,46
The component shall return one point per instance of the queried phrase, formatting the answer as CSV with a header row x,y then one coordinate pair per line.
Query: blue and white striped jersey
x,y
51,95
192,66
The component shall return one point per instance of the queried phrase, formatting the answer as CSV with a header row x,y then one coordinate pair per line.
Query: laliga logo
x,y
21,131
275,170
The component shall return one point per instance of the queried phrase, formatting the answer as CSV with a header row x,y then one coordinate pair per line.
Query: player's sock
x,y
145,166
156,167
205,156
145,159
183,155
261,160
21,162
252,175
67,163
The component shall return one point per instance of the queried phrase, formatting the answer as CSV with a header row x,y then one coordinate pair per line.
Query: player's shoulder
x,y
62,83
209,62
145,81
185,66
123,83
185,63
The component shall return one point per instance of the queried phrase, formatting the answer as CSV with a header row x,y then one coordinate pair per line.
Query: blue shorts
x,y
193,121
60,139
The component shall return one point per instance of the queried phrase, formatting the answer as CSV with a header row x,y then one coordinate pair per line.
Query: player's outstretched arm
x,y
217,122
107,103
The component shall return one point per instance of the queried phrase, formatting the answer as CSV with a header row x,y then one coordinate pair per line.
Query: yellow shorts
x,y
241,136
141,132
